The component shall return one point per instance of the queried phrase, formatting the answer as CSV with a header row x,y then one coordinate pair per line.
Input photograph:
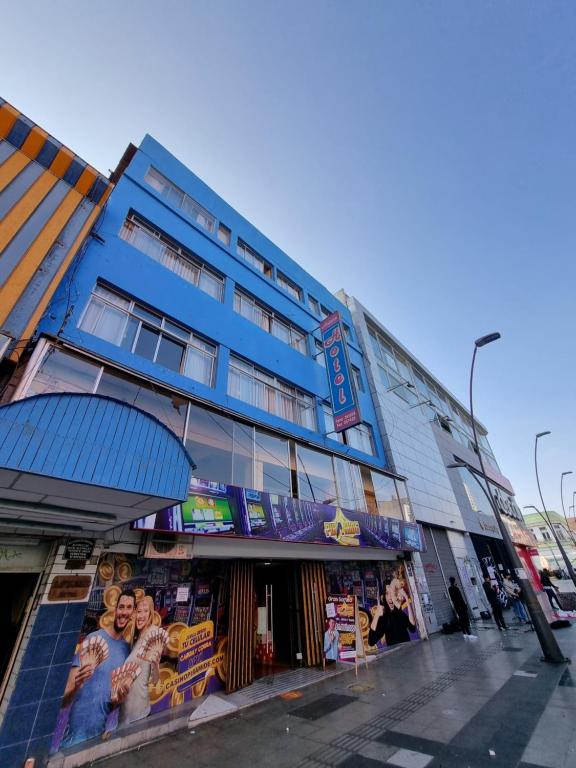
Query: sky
x,y
420,154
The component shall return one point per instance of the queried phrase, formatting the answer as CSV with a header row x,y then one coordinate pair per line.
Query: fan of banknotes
x,y
123,677
94,650
153,645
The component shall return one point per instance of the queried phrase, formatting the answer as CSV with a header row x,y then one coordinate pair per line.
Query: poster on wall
x,y
217,509
385,605
154,636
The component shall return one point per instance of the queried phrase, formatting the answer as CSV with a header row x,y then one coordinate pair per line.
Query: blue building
x,y
180,308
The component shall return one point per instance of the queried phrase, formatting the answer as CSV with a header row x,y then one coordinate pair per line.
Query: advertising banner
x,y
154,636
217,509
340,631
385,606
342,394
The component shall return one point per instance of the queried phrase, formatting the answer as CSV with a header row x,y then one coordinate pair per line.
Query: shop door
x,y
277,634
313,591
241,626
439,565
16,592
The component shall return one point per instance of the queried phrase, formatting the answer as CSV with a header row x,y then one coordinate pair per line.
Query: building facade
x,y
179,315
548,554
425,429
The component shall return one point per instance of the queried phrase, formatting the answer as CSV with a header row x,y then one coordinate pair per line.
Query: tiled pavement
x,y
446,703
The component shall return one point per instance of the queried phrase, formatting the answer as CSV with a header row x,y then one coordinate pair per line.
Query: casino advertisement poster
x,y
342,608
218,509
154,634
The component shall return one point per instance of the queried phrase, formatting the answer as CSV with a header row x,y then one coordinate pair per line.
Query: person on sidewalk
x,y
494,600
515,596
460,607
549,589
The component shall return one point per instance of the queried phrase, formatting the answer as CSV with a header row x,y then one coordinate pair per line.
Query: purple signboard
x,y
217,509
344,405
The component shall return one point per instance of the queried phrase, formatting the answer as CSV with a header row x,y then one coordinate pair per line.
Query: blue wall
x,y
124,267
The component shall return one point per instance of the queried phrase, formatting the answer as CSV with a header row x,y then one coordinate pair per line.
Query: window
x,y
386,495
360,437
262,390
266,319
166,252
349,485
272,464
347,332
290,287
324,313
224,234
60,372
319,355
314,305
357,378
545,535
253,258
147,334
179,199
315,473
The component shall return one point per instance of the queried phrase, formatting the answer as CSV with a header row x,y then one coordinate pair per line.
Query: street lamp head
x,y
488,339
567,473
531,506
542,434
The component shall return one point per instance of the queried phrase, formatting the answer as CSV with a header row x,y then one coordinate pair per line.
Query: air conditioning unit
x,y
168,548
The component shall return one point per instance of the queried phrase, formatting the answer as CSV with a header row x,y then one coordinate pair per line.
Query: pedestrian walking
x,y
549,589
514,593
492,596
460,607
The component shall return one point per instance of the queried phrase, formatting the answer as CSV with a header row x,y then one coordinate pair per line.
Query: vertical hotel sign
x,y
344,405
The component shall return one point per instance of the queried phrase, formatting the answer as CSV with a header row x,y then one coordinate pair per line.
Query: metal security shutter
x,y
439,565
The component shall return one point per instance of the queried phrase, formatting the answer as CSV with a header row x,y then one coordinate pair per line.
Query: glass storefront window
x,y
209,440
404,500
272,464
387,501
243,455
170,409
349,483
315,476
60,372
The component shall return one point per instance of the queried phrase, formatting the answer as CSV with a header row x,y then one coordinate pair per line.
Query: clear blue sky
x,y
420,154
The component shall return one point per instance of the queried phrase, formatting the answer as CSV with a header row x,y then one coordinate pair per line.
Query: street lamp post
x,y
565,557
550,647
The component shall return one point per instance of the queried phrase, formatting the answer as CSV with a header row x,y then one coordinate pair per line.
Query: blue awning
x,y
88,461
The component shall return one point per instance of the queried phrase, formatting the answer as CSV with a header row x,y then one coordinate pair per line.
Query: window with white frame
x,y
314,305
224,234
165,251
359,437
357,377
268,321
319,354
290,287
179,199
145,333
253,258
263,390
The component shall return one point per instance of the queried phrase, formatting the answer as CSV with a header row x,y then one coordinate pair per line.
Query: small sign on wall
x,y
78,549
65,588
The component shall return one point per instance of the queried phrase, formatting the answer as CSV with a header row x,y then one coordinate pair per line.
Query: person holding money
x,y
148,647
89,686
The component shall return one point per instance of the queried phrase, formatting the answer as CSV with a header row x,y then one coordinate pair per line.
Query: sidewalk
x,y
446,703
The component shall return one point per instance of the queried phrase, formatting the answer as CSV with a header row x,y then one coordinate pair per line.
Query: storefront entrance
x,y
277,641
16,590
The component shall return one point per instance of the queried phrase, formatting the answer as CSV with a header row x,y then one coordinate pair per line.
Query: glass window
x,y
349,485
289,286
387,501
357,377
168,408
243,456
272,464
404,500
224,234
404,369
60,372
253,258
324,313
102,320
209,440
170,354
360,437
179,199
319,355
147,342
162,249
314,305
315,476
329,424
200,361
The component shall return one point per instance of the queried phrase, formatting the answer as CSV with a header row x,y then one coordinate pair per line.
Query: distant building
x,y
425,429
548,551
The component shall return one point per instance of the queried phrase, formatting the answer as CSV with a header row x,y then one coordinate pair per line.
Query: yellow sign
x,y
343,530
